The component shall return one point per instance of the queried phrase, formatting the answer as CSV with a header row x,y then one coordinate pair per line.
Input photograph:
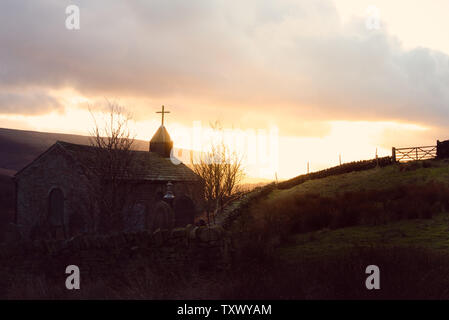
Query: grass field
x,y
426,233
419,233
372,197
321,235
374,179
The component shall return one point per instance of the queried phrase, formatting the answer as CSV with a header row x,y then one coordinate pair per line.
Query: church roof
x,y
161,135
146,166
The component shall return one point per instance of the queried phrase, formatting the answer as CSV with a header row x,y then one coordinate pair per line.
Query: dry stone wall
x,y
237,207
114,256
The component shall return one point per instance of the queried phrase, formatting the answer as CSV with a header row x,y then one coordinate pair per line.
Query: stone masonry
x,y
126,254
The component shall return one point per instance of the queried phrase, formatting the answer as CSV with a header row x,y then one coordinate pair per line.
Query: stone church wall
x,y
34,184
56,169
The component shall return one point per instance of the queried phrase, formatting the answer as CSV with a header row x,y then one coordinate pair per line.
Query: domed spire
x,y
161,142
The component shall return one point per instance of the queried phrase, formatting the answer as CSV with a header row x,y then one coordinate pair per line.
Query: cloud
x,y
28,103
288,60
408,137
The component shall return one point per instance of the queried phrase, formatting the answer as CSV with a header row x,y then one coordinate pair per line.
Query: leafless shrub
x,y
111,167
221,170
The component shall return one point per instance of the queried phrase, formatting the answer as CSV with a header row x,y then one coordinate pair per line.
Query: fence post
x,y
377,159
393,154
438,152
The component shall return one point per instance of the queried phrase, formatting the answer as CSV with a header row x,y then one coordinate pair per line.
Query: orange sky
x,y
312,69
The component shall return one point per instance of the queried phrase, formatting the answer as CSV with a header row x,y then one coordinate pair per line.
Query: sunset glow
x,y
224,155
312,69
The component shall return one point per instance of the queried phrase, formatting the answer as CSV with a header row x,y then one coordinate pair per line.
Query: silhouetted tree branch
x,y
222,171
111,166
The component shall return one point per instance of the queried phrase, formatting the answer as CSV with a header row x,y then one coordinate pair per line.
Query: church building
x,y
53,200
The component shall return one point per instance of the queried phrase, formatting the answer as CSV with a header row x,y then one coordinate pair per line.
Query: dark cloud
x,y
293,61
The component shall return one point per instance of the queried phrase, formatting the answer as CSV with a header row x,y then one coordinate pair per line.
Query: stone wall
x,y
237,207
119,256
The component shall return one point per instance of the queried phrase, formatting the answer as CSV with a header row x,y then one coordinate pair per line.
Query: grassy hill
x,y
413,173
419,233
315,239
374,196
432,233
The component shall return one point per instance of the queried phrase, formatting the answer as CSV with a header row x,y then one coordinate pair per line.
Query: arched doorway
x,y
56,213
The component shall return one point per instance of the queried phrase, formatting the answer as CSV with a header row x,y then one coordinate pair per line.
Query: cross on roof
x,y
163,112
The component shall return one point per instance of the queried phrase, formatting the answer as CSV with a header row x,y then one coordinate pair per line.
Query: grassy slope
x,y
427,233
413,254
374,179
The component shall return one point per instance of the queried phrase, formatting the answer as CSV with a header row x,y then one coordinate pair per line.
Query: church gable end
x,y
50,192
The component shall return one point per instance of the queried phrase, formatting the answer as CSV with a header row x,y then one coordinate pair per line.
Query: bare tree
x,y
222,171
111,166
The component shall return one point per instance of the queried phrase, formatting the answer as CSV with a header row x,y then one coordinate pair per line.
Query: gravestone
x,y
135,218
162,217
184,210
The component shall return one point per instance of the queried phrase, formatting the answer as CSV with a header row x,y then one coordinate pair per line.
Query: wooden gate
x,y
414,153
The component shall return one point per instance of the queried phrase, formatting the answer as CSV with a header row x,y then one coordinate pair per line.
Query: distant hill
x,y
19,147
